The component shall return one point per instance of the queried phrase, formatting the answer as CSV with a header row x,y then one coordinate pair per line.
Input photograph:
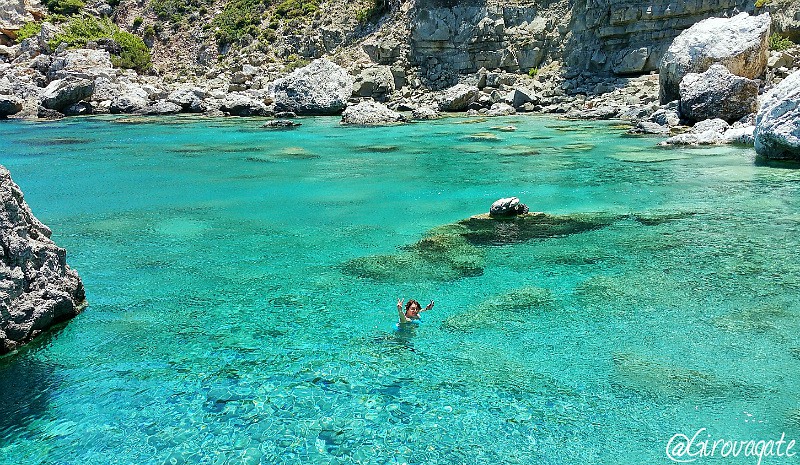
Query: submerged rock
x,y
514,306
37,287
454,251
740,43
649,378
488,231
777,133
442,255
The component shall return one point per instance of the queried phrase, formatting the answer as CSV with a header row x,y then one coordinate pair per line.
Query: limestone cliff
x,y
622,37
37,288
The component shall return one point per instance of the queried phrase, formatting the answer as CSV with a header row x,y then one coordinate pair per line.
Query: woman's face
x,y
414,308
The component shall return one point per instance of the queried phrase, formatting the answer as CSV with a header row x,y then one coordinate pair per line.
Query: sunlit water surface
x,y
225,325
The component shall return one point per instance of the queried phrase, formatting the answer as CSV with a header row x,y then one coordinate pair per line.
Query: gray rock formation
x,y
739,43
777,134
15,13
238,104
425,113
190,99
162,107
81,63
321,88
370,113
708,132
509,206
501,109
37,288
9,105
458,97
281,124
376,82
61,93
717,93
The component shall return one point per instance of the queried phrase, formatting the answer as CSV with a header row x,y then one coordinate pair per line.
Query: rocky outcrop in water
x,y
777,134
506,207
37,288
321,88
740,43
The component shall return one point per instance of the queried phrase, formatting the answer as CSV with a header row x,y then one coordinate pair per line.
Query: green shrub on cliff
x,y
239,17
296,8
64,7
375,9
28,30
776,42
79,31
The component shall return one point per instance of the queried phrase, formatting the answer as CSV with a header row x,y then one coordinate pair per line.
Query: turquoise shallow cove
x,y
243,282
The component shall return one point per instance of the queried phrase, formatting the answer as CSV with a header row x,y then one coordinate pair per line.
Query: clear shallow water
x,y
223,325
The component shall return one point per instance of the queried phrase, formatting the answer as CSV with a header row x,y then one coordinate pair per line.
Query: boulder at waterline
x,y
9,105
242,105
777,133
321,88
458,97
370,113
716,93
425,113
61,93
37,287
740,43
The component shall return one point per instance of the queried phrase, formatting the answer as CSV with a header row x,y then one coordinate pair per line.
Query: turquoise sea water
x,y
227,326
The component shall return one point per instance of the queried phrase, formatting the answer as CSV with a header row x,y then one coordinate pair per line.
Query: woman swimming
x,y
412,311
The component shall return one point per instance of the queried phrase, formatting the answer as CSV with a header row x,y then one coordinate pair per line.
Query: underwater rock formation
x,y
454,251
37,288
515,306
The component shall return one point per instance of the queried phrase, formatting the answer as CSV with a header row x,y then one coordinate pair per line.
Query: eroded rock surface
x,y
37,288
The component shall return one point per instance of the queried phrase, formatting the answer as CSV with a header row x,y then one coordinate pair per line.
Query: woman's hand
x,y
400,304
430,306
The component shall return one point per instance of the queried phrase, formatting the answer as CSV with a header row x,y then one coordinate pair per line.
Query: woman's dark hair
x,y
412,301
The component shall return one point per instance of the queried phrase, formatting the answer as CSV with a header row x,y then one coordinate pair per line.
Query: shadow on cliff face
x,y
25,386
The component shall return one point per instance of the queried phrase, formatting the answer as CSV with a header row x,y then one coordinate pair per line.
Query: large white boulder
x,y
370,113
777,133
740,43
320,88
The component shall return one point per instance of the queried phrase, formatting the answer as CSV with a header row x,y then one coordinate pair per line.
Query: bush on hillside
x,y
64,7
776,42
79,31
28,30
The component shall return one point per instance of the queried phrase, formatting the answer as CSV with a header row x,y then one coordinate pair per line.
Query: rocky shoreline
x,y
701,81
